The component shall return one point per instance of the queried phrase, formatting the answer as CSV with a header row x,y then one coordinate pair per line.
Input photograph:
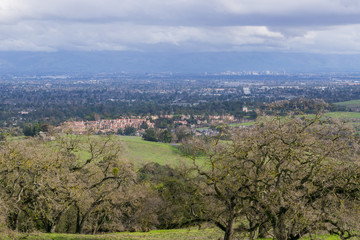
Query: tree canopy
x,y
282,178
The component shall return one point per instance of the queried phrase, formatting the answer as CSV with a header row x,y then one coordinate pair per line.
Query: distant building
x,y
247,91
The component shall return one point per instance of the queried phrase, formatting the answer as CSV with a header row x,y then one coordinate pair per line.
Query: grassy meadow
x,y
344,115
352,103
140,152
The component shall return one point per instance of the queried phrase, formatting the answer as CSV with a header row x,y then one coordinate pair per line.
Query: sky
x,y
309,26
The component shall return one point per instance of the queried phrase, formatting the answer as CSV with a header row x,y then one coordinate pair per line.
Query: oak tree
x,y
283,178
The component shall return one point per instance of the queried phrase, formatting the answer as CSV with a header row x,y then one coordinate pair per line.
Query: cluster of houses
x,y
104,126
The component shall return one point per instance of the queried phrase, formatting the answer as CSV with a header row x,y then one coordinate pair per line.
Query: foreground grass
x,y
178,234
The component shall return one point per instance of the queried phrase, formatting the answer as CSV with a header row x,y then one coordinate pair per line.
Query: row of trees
x,y
283,178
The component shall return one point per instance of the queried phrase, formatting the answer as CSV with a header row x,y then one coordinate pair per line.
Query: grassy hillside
x,y
352,103
140,152
344,115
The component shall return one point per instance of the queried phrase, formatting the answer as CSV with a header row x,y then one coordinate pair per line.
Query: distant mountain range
x,y
117,61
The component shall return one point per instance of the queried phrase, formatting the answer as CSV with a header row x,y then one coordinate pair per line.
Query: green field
x,y
234,125
344,115
243,124
140,152
352,103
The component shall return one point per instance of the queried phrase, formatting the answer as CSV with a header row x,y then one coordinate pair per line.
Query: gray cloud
x,y
189,25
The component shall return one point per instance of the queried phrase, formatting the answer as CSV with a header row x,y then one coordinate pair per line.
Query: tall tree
x,y
99,176
292,176
79,176
150,135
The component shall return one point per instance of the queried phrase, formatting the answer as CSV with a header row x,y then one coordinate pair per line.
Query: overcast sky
x,y
320,26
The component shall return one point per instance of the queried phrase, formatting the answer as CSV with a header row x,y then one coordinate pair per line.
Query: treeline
x,y
297,105
283,178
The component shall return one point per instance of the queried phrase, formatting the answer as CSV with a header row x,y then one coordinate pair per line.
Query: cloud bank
x,y
321,26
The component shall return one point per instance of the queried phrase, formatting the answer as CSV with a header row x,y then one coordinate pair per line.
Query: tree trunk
x,y
263,230
279,229
81,222
47,225
229,232
280,233
81,225
14,221
294,237
53,228
96,224
56,221
78,229
278,224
